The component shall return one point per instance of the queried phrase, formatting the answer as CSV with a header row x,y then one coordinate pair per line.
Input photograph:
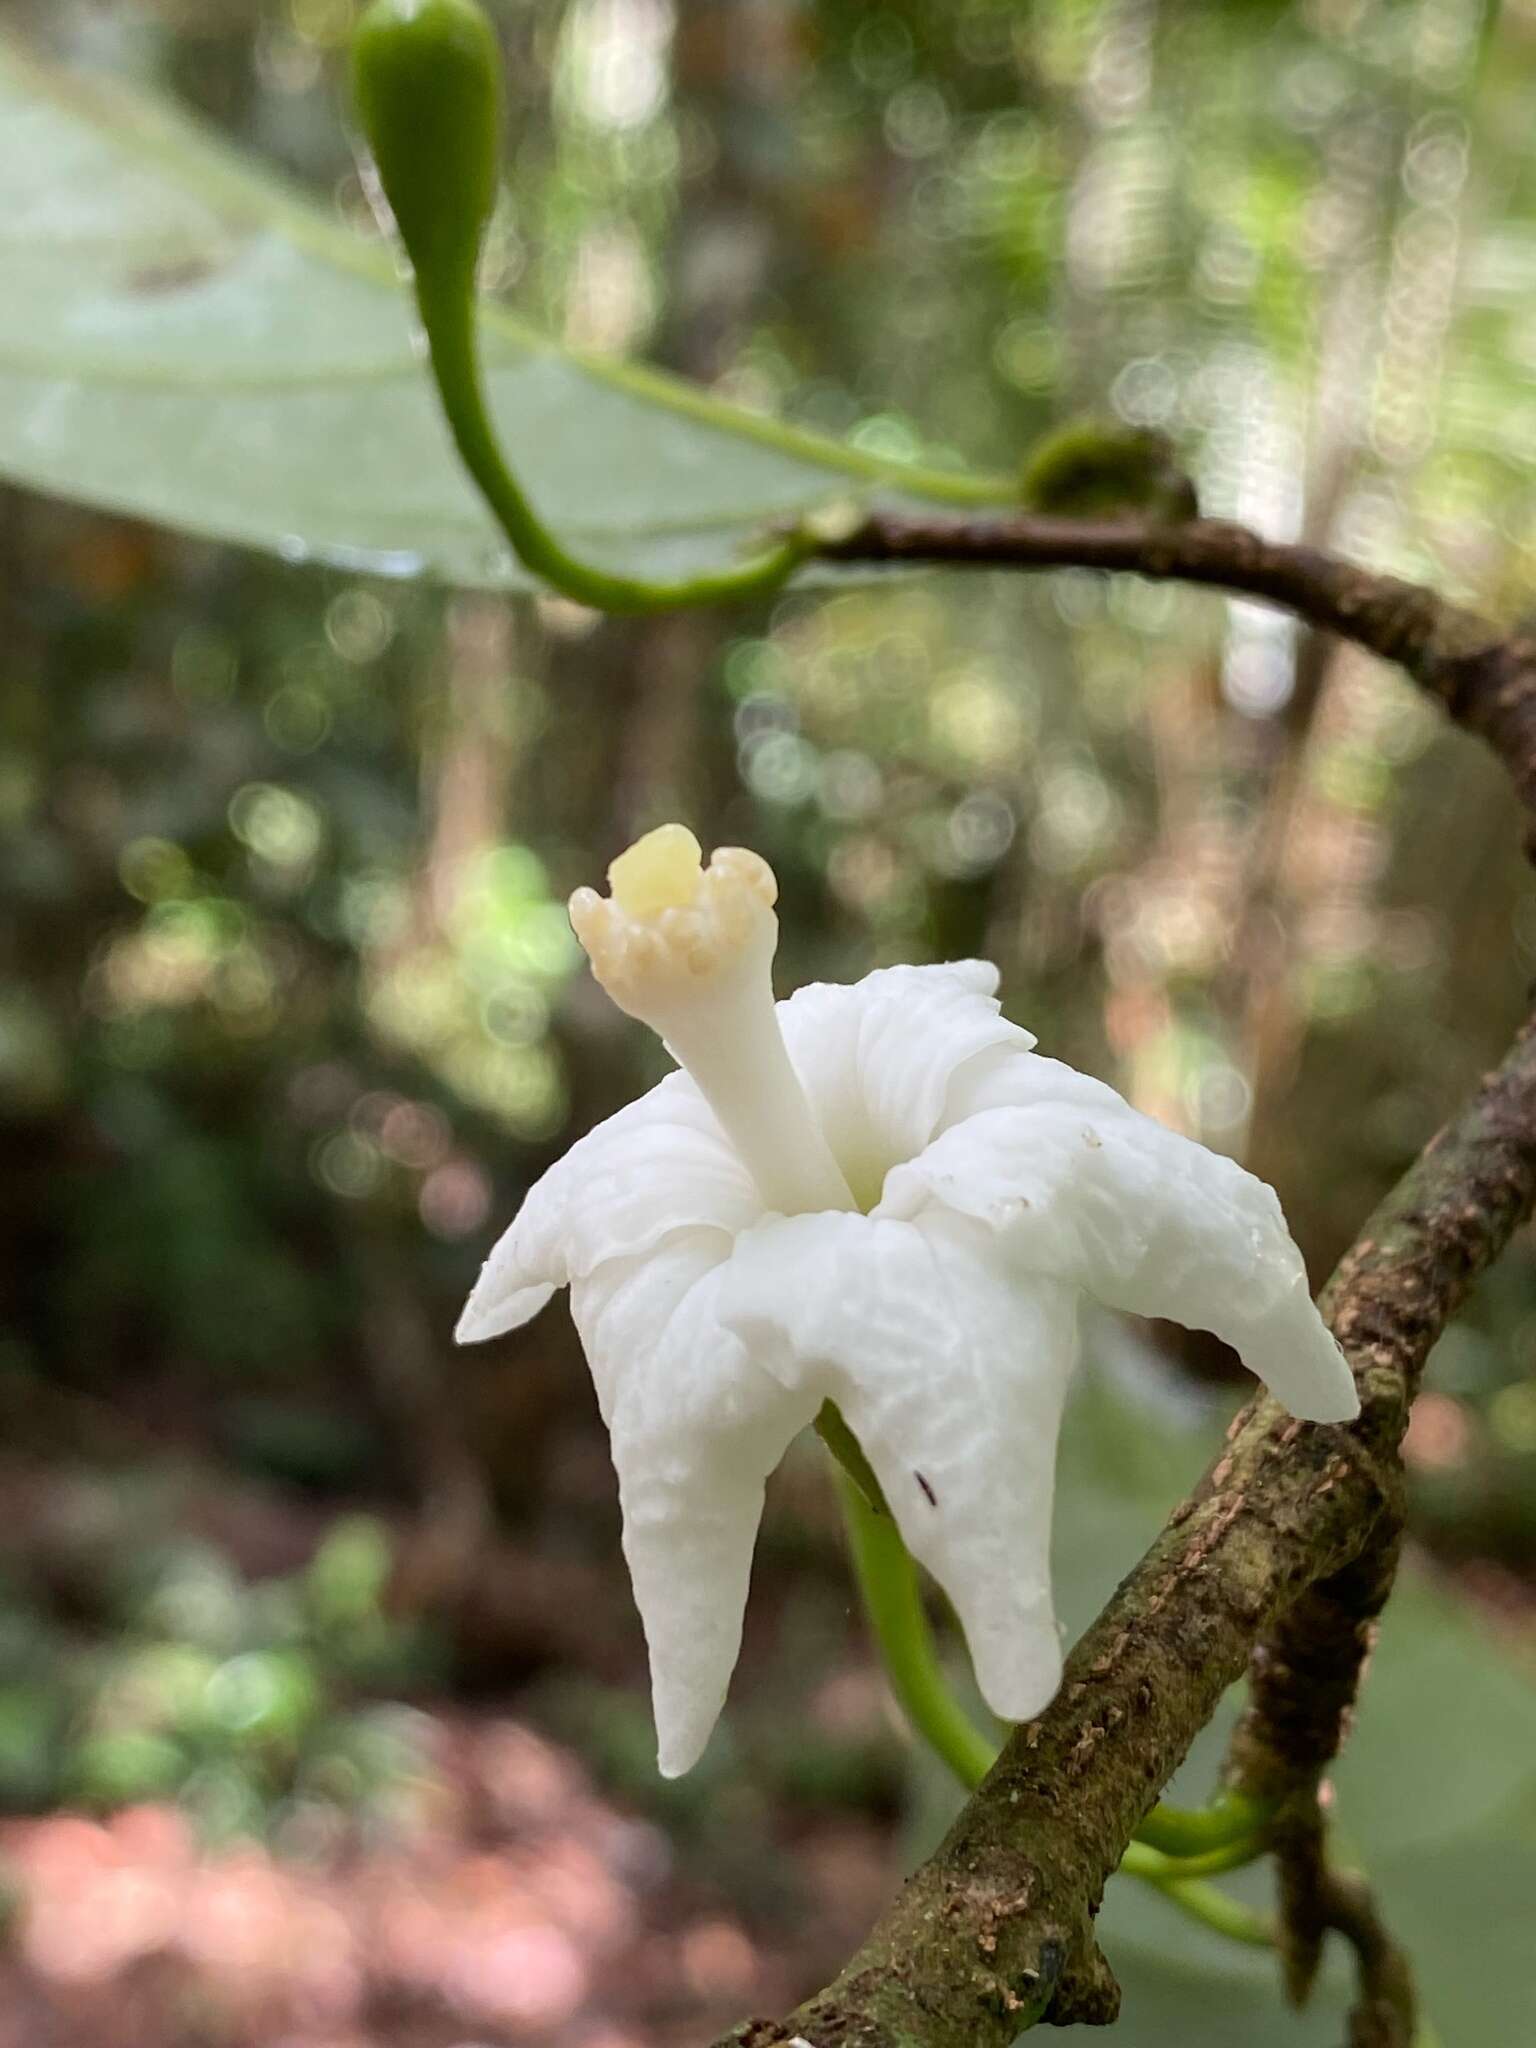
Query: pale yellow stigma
x,y
688,949
662,871
672,926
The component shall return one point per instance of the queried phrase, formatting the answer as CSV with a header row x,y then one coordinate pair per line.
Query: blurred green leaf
x,y
30,1717
349,1574
184,341
126,1765
265,1696
299,1442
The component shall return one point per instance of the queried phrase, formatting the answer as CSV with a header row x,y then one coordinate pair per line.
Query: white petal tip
x,y
1022,1676
677,1759
1324,1389
490,1314
1025,1698
683,1732
1337,1404
1303,1364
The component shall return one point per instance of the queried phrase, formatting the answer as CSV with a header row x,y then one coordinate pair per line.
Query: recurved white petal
x,y
661,1164
877,1057
696,1427
951,1374
1089,1191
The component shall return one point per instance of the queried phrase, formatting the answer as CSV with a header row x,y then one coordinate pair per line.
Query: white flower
x,y
877,1195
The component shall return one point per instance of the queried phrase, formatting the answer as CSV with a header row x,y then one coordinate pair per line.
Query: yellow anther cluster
x,y
673,927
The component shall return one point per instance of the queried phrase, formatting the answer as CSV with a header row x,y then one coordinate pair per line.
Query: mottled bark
x,y
1303,1676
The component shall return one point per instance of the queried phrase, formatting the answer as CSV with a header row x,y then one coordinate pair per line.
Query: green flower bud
x,y
426,79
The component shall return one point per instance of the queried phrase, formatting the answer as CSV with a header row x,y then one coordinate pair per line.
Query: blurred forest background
x,y
322,1713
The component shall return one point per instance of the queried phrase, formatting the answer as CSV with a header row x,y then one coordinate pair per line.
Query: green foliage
x,y
246,1700
274,338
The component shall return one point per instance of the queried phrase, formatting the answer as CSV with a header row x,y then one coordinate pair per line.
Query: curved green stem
x,y
1140,1860
1218,1911
1194,1831
888,1581
447,304
848,1453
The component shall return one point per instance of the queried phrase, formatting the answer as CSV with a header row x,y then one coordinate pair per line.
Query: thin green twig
x,y
1140,1860
1218,1910
1196,1830
448,310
